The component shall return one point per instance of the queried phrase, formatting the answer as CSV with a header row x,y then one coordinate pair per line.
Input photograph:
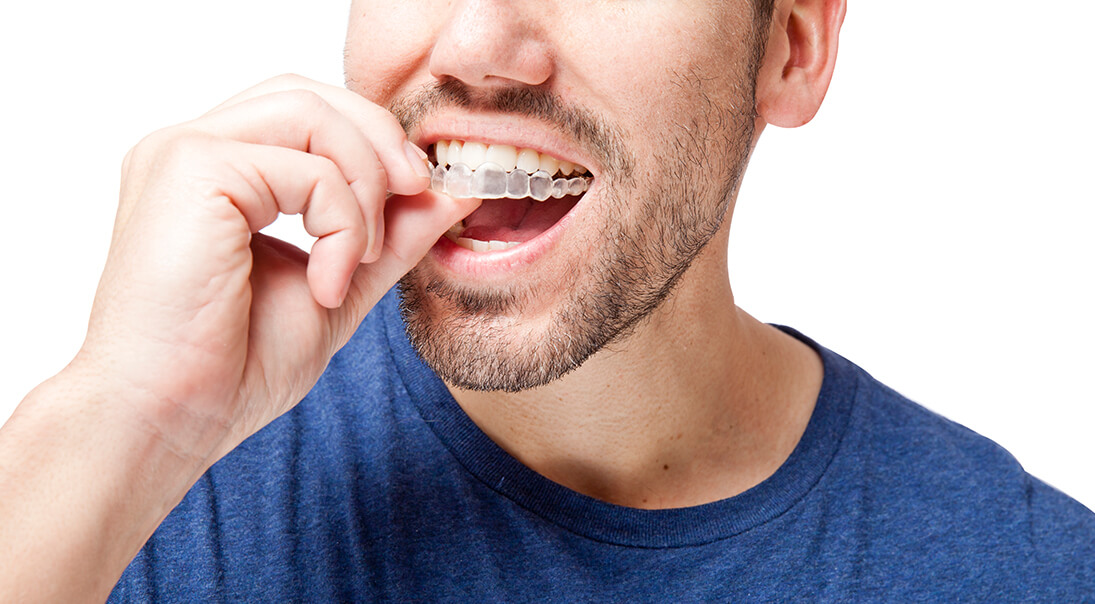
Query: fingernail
x,y
417,157
370,246
371,255
375,243
345,292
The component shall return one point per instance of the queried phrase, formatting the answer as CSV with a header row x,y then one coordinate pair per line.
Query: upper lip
x,y
501,129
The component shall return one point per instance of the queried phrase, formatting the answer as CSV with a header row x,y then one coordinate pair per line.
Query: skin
x,y
175,369
640,423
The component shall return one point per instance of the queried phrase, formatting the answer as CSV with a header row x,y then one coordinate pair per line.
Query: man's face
x,y
653,98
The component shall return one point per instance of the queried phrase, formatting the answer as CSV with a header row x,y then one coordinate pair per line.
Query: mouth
x,y
525,193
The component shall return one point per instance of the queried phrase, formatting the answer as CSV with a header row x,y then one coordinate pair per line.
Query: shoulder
x,y
923,445
1062,533
937,490
901,444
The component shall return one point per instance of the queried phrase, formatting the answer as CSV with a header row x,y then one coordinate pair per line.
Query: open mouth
x,y
524,192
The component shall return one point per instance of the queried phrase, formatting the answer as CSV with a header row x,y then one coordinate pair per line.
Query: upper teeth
x,y
474,154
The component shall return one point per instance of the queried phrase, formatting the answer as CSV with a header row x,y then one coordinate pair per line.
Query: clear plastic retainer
x,y
491,181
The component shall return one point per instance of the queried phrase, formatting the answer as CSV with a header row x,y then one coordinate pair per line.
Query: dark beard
x,y
476,339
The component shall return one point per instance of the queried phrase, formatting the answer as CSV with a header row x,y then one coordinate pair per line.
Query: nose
x,y
491,43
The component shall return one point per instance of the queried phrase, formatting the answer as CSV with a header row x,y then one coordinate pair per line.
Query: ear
x,y
799,62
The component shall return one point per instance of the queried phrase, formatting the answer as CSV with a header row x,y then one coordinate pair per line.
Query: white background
x,y
933,223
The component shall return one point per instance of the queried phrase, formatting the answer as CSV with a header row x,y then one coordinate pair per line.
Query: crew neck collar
x,y
610,523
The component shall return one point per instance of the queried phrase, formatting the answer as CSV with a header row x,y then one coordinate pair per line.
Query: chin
x,y
482,342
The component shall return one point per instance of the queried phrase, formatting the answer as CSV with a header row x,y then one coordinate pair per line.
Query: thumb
x,y
412,224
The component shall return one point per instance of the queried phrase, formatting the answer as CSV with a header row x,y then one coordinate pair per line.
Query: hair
x,y
762,20
764,8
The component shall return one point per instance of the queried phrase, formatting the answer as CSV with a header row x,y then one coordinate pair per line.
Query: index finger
x,y
382,129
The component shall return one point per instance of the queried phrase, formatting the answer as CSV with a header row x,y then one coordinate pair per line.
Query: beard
x,y
655,219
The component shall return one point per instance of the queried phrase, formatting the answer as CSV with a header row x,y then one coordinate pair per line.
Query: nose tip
x,y
487,43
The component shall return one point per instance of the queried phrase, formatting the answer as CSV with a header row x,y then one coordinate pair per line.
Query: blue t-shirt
x,y
378,487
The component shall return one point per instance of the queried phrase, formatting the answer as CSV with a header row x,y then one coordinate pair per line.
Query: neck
x,y
699,403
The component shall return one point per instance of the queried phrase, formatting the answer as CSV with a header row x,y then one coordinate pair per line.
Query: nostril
x,y
490,44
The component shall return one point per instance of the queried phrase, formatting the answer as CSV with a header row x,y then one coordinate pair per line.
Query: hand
x,y
203,330
213,330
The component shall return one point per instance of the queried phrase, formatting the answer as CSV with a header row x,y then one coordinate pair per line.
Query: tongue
x,y
515,219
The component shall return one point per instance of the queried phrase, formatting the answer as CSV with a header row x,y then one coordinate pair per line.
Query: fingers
x,y
266,181
401,160
302,121
373,155
415,222
316,150
277,180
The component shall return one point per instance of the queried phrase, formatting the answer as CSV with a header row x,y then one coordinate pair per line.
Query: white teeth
x,y
473,154
549,164
502,171
441,151
476,245
455,148
528,160
503,155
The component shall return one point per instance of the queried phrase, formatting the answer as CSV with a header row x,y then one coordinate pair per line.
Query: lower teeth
x,y
476,245
484,246
490,181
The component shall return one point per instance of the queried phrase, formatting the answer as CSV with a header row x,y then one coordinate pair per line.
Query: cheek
x,y
660,77
386,43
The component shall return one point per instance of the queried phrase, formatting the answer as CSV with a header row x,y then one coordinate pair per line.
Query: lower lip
x,y
485,265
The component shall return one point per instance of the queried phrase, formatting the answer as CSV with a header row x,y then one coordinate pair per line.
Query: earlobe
x,y
799,61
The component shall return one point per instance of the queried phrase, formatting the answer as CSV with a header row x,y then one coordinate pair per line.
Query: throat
x,y
743,395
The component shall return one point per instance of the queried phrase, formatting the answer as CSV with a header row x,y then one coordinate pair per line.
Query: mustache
x,y
581,124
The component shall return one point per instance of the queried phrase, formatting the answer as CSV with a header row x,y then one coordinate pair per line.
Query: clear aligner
x,y
491,181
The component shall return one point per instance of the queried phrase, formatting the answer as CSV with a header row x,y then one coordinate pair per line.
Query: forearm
x,y
83,484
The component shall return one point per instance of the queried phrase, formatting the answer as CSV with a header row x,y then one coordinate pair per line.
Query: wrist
x,y
86,481
144,419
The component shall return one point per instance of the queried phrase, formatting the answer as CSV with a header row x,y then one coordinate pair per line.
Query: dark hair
x,y
764,9
762,19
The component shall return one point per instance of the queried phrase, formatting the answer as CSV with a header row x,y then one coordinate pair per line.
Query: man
x,y
609,423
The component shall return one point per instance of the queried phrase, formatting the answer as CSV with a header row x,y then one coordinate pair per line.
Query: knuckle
x,y
181,145
146,146
391,122
327,170
384,128
141,155
168,148
127,162
303,100
371,186
288,80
